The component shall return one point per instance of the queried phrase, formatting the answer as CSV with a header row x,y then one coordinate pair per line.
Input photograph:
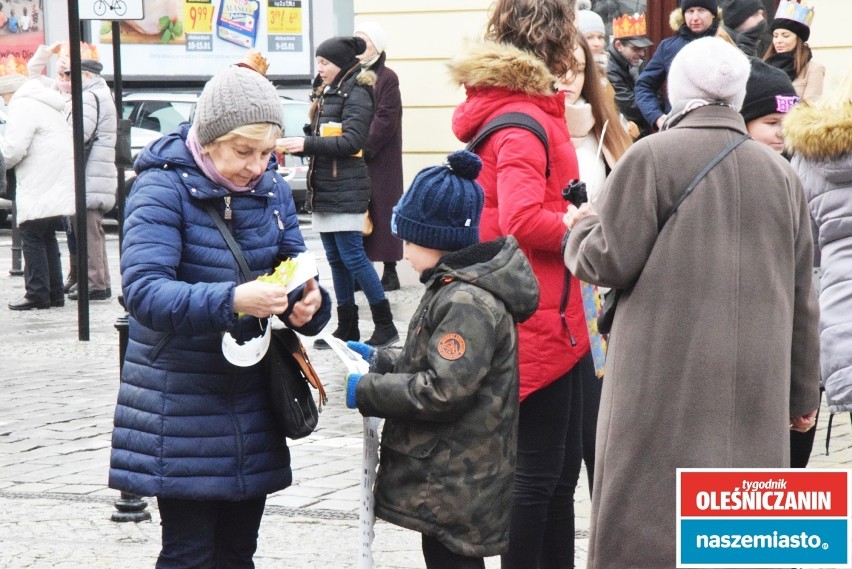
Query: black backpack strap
x,y
519,120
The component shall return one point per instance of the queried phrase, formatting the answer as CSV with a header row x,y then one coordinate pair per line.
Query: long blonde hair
x,y
543,27
840,94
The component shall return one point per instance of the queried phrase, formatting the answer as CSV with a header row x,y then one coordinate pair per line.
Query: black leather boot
x,y
385,332
347,326
390,280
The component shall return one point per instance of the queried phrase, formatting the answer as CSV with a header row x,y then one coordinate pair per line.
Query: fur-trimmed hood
x,y
492,64
819,133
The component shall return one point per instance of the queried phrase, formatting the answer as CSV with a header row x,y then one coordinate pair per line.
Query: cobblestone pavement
x,y
56,406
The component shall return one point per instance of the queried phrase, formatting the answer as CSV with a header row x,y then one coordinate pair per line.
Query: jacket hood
x,y
491,64
499,267
38,91
819,133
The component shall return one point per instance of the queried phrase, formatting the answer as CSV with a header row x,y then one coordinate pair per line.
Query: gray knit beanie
x,y
233,98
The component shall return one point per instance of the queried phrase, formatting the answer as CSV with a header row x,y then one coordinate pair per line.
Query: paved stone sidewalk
x,y
56,403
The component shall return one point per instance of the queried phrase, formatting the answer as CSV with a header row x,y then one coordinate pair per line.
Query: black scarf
x,y
685,32
786,62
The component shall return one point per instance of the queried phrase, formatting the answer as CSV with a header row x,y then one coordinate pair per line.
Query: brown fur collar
x,y
819,133
365,77
491,64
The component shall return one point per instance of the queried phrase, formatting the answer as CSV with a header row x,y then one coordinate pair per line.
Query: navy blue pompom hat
x,y
441,209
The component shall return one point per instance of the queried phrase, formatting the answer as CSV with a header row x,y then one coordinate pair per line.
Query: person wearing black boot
x,y
339,183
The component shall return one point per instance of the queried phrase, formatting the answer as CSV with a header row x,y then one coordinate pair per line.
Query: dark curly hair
x,y
543,27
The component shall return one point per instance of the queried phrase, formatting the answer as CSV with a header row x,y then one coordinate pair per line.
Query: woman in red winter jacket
x,y
529,43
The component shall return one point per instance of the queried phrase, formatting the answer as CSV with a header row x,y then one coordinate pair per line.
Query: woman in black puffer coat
x,y
339,183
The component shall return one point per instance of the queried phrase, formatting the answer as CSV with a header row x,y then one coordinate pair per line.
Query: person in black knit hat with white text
x,y
450,399
339,183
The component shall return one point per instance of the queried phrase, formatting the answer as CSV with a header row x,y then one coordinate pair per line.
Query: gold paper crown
x,y
796,10
628,26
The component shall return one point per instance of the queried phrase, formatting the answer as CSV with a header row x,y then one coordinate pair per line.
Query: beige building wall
x,y
424,34
830,39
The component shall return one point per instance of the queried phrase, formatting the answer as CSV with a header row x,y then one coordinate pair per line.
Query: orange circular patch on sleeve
x,y
451,346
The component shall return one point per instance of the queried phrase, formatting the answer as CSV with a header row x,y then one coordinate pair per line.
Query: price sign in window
x,y
284,17
198,16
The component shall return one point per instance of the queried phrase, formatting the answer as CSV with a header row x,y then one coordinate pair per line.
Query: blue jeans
x,y
215,534
348,261
550,454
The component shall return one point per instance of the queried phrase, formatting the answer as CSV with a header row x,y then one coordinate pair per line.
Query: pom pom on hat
x,y
442,208
768,91
342,51
376,33
709,68
589,22
235,97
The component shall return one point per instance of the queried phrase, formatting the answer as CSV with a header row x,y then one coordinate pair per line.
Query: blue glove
x,y
351,384
368,353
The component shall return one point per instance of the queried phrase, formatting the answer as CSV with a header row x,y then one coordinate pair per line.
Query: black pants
x,y
549,459
801,444
42,267
209,535
439,557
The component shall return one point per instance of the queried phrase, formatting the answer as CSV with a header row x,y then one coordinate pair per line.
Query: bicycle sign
x,y
110,9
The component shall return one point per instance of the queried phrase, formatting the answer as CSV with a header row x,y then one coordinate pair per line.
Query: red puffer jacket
x,y
520,201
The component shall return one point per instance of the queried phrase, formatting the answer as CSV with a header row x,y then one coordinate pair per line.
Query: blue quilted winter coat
x,y
188,424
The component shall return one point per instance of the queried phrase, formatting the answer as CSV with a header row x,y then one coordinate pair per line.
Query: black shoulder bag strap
x,y
611,298
519,120
700,176
229,239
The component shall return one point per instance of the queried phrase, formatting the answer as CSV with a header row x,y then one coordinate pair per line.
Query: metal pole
x,y
16,269
119,111
79,173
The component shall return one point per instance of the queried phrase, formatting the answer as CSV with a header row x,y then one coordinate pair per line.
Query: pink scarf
x,y
205,163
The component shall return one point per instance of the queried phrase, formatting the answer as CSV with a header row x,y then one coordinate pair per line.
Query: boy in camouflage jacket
x,y
451,396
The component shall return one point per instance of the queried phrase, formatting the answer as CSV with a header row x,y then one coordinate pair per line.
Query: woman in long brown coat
x,y
383,154
714,353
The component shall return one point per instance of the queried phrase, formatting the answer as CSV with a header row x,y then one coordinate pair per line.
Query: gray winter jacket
x,y
821,139
99,119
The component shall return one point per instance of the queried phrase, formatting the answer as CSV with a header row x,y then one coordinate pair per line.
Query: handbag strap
x,y
698,177
229,240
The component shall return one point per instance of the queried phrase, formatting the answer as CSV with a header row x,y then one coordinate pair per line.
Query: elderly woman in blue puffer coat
x,y
191,428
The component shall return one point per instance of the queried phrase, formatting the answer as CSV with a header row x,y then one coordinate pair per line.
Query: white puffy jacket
x,y
37,143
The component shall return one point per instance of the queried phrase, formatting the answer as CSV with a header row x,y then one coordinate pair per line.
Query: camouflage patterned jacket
x,y
451,401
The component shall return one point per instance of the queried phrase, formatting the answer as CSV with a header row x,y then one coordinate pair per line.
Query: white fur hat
x,y
711,69
10,83
376,33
